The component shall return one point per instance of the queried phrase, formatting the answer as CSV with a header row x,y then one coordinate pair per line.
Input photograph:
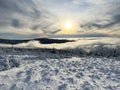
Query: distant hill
x,y
41,40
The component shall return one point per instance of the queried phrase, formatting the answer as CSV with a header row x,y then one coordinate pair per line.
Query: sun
x,y
68,25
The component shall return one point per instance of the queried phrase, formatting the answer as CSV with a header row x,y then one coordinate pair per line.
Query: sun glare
x,y
68,25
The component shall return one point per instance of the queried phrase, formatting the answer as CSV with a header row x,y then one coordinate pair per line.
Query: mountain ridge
x,y
41,40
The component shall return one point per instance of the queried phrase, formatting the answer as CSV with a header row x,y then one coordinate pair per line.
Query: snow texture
x,y
85,73
87,64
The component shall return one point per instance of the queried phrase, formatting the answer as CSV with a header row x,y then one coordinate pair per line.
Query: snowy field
x,y
97,69
63,74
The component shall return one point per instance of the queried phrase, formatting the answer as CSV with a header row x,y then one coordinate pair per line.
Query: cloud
x,y
115,20
105,15
46,17
11,35
25,15
16,23
54,32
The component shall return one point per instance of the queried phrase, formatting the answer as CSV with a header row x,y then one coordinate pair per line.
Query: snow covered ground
x,y
42,69
86,73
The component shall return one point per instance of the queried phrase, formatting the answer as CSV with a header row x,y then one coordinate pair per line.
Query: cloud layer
x,y
105,16
41,18
25,17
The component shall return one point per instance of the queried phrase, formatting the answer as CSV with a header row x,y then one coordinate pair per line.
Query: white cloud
x,y
27,17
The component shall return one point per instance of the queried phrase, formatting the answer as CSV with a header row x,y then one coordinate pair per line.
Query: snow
x,y
90,64
76,73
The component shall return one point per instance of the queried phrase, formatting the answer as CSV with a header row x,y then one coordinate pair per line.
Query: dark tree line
x,y
96,51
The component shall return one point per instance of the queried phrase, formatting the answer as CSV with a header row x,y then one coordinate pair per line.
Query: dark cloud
x,y
113,21
17,24
56,31
35,27
42,26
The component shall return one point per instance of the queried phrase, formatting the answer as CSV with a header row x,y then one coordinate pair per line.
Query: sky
x,y
22,19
